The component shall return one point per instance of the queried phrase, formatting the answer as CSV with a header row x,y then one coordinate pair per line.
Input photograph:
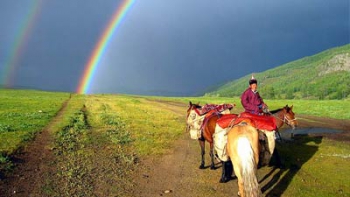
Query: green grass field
x,y
129,127
23,113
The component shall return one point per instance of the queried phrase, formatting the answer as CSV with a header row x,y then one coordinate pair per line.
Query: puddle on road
x,y
303,131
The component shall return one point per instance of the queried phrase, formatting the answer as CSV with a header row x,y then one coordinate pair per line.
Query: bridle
x,y
197,118
288,121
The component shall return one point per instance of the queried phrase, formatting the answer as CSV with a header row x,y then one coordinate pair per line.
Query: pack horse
x,y
201,121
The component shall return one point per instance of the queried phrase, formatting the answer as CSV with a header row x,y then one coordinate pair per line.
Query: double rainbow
x,y
101,46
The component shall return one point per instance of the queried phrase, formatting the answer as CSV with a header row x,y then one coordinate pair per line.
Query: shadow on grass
x,y
294,154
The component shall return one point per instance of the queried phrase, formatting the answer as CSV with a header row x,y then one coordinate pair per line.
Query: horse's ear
x,y
291,107
190,103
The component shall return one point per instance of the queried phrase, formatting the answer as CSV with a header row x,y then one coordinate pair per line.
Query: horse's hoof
x,y
224,180
201,166
212,167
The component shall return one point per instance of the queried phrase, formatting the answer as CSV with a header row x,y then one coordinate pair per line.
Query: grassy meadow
x,y
125,128
23,113
338,109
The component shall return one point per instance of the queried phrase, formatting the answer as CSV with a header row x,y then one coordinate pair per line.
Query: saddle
x,y
226,120
208,116
267,123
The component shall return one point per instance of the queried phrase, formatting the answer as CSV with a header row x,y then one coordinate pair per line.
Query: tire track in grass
x,y
92,160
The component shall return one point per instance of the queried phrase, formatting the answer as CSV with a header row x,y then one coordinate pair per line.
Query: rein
x,y
197,119
284,120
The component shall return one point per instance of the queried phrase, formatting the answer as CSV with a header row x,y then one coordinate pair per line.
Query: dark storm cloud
x,y
173,47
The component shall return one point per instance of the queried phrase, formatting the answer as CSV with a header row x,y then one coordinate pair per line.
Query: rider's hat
x,y
253,80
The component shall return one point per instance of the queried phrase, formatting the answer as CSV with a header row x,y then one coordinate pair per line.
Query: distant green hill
x,y
325,75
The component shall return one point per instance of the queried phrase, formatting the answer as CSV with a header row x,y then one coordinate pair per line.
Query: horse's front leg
x,y
202,145
212,166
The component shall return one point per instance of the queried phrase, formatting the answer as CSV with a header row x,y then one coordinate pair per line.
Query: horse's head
x,y
289,117
193,107
194,120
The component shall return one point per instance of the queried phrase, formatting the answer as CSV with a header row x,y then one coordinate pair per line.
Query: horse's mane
x,y
276,110
280,109
196,106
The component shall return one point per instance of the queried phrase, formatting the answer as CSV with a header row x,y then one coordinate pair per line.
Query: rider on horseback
x,y
254,104
251,100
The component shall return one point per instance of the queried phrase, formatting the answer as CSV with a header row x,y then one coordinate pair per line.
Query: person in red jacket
x,y
251,100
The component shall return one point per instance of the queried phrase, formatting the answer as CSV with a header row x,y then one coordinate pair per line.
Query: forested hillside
x,y
325,75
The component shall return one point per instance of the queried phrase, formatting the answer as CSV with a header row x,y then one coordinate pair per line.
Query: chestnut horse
x,y
243,150
202,127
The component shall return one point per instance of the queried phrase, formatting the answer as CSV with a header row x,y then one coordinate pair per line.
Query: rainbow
x,y
20,41
101,46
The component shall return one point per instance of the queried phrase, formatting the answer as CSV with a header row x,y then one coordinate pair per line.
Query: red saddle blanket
x,y
226,119
261,122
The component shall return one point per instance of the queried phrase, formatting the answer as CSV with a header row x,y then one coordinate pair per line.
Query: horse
x,y
243,150
202,126
278,117
286,116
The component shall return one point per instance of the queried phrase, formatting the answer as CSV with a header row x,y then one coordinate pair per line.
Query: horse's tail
x,y
248,167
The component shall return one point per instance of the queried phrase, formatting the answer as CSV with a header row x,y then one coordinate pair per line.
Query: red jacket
x,y
252,102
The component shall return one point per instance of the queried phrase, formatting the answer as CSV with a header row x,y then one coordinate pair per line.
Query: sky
x,y
161,47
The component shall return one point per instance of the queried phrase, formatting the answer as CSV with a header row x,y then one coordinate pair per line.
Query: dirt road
x,y
32,164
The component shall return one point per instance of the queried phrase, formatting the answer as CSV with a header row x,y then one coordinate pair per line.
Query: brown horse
x,y
282,116
285,115
243,150
202,127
